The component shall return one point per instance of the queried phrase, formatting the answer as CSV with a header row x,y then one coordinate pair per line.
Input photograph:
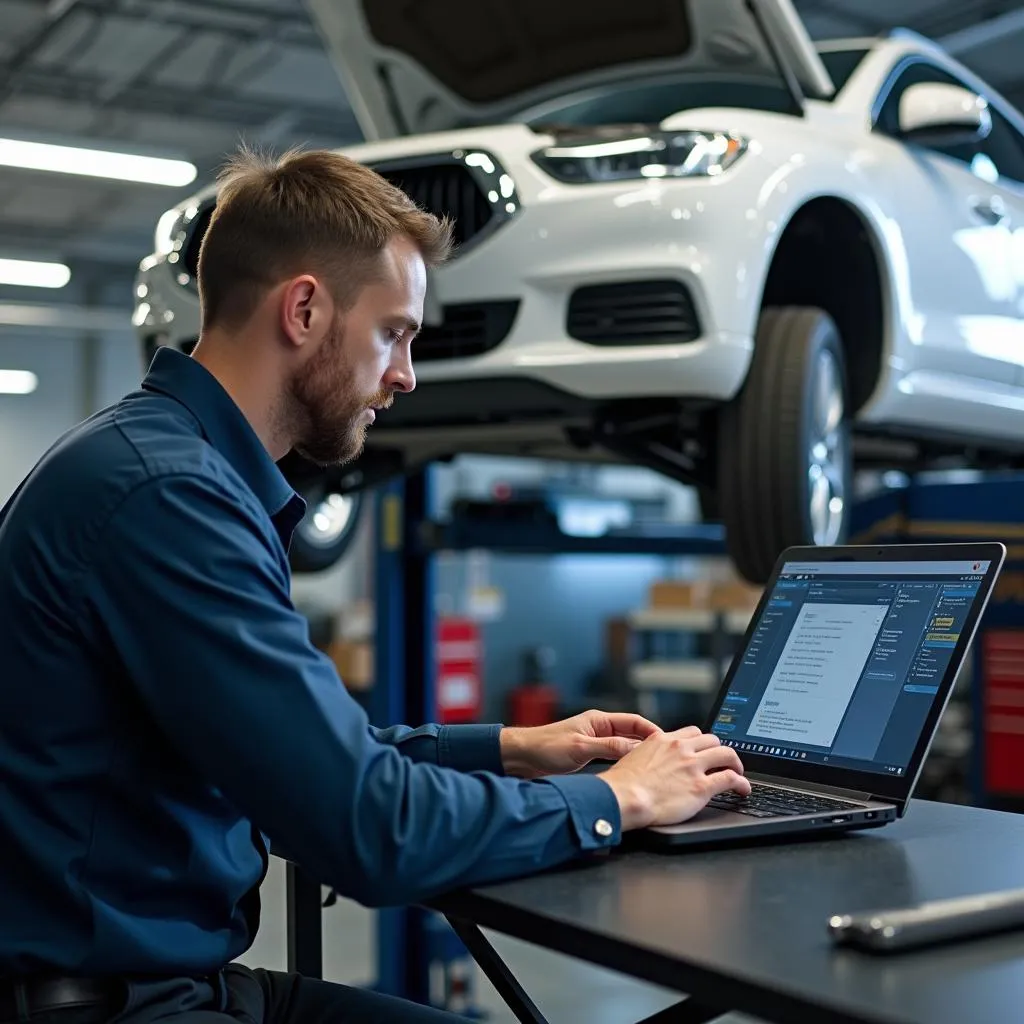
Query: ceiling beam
x,y
279,14
244,23
231,109
976,37
861,23
55,16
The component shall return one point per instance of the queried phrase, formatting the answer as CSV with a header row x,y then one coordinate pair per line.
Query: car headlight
x,y
683,154
171,229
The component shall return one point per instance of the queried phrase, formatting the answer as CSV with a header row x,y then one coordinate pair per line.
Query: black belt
x,y
27,996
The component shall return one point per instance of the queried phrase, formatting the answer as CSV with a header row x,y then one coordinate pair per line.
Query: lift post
x,y
403,694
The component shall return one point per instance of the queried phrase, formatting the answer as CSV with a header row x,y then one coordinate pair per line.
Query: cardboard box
x,y
354,662
714,595
680,593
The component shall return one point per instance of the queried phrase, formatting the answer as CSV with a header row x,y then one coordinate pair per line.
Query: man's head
x,y
315,266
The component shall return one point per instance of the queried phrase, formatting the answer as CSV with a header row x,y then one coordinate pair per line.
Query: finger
x,y
705,741
721,757
725,781
612,747
688,732
623,724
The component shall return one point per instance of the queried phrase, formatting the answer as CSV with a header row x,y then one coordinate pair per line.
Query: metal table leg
x,y
497,973
305,923
688,1011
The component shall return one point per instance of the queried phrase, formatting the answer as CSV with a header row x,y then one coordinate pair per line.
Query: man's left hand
x,y
566,746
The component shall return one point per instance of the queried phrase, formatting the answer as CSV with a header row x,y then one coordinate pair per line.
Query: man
x,y
163,713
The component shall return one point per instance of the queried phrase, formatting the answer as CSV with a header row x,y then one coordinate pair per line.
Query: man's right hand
x,y
671,776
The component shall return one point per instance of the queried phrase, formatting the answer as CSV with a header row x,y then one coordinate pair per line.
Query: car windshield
x,y
651,102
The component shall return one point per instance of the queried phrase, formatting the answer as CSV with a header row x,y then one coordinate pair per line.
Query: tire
x,y
318,544
784,453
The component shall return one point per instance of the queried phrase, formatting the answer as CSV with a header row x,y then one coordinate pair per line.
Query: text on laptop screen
x,y
846,659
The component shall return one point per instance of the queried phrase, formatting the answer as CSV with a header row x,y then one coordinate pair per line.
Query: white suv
x,y
689,239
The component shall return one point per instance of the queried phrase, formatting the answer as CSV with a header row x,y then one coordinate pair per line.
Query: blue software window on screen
x,y
845,661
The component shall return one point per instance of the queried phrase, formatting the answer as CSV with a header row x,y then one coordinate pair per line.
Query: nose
x,y
400,375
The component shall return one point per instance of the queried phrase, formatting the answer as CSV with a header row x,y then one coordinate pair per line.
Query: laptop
x,y
835,695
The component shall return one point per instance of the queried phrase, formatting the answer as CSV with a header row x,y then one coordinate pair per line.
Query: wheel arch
x,y
825,239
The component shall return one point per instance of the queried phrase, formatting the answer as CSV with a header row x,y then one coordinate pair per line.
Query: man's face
x,y
363,361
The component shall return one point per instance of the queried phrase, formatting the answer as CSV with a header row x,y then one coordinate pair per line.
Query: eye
x,y
395,334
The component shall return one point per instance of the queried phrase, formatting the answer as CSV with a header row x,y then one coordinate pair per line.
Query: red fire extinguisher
x,y
535,700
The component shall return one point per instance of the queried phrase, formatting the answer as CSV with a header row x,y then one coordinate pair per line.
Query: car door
x,y
1004,152
992,175
953,216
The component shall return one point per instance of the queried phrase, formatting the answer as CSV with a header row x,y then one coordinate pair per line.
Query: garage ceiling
x,y
189,78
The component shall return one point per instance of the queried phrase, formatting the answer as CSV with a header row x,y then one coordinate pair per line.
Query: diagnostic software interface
x,y
846,659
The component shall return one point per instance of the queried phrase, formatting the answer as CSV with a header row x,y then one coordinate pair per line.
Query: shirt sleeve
x,y
466,748
195,600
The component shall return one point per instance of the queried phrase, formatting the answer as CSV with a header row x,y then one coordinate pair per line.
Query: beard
x,y
327,409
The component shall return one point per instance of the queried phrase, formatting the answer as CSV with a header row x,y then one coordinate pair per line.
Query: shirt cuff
x,y
470,748
593,809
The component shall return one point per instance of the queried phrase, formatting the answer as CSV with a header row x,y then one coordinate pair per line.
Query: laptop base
x,y
716,827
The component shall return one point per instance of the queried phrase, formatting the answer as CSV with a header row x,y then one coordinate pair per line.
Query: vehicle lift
x,y
418,955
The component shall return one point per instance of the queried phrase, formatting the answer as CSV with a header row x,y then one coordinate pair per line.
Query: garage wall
x,y
67,392
30,423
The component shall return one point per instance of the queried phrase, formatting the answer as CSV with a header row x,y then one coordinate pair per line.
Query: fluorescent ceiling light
x,y
95,163
34,275
18,382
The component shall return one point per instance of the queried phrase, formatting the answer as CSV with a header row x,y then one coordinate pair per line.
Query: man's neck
x,y
250,383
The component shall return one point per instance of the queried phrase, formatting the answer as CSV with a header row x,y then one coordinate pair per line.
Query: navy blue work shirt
x,y
163,714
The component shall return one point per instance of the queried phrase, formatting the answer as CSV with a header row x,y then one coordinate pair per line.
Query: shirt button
x,y
603,828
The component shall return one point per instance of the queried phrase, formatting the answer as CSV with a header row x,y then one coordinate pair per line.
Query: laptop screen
x,y
846,659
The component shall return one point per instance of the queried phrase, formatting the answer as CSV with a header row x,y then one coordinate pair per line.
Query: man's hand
x,y
564,747
671,776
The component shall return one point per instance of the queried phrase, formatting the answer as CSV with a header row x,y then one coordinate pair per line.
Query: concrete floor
x,y
566,991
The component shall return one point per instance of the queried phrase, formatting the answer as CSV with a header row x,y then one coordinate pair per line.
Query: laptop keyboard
x,y
769,802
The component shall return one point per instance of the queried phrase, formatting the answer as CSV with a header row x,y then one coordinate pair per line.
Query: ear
x,y
306,310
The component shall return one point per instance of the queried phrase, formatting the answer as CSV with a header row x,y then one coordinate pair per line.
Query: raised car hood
x,y
415,66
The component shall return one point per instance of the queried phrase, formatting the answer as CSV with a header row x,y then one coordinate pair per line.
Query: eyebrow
x,y
409,324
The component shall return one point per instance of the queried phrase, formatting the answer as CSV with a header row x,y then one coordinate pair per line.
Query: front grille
x,y
467,330
445,189
633,313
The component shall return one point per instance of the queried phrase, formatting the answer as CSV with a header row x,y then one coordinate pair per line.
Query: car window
x,y
841,64
1005,148
1000,155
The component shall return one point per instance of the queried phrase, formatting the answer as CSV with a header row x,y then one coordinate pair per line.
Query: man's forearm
x,y
465,748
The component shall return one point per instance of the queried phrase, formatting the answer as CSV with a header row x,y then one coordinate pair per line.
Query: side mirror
x,y
940,114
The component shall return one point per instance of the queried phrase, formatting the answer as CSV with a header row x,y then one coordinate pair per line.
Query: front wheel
x,y
784,452
326,531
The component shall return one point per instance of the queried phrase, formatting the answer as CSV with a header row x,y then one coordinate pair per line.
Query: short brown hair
x,y
312,211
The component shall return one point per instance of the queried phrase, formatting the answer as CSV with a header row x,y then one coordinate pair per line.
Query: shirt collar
x,y
182,378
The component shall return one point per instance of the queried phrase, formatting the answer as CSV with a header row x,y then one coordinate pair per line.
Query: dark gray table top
x,y
746,928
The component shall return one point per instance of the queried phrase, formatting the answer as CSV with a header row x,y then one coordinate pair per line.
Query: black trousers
x,y
239,995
